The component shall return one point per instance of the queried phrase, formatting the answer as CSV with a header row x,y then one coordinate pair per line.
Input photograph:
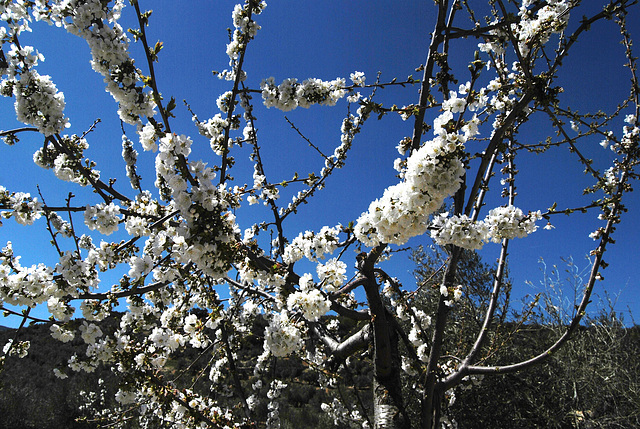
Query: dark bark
x,y
432,394
389,409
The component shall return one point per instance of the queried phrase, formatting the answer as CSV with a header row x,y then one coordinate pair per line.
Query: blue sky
x,y
326,40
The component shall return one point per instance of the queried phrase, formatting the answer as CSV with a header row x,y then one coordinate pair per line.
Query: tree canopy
x,y
211,234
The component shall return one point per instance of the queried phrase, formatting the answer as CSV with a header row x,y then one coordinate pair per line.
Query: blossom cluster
x,y
94,310
61,334
268,192
39,103
310,302
130,156
264,279
67,160
211,229
25,208
16,15
291,93
631,135
282,336
510,222
332,274
245,29
193,328
275,389
500,223
358,78
19,349
213,129
164,338
312,246
170,179
60,225
148,136
104,256
420,322
23,286
37,99
145,207
459,230
77,273
182,408
102,217
537,24
433,173
109,46
342,416
453,295
90,332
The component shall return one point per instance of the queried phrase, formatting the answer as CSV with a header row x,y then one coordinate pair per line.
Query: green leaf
x,y
144,18
153,52
136,33
170,106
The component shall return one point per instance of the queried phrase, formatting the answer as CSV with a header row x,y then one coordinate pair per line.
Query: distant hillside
x,y
31,397
5,328
593,382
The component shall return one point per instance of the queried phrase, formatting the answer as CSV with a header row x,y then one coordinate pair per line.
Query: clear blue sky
x,y
326,40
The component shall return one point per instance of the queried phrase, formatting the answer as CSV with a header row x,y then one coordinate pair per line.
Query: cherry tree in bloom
x,y
194,274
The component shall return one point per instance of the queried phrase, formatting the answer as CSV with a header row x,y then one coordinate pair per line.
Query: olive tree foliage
x,y
186,250
591,382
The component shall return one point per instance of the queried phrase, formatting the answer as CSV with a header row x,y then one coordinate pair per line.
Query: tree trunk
x,y
432,396
389,411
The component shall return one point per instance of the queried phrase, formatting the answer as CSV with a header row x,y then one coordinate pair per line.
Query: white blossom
x,y
311,303
282,337
102,217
